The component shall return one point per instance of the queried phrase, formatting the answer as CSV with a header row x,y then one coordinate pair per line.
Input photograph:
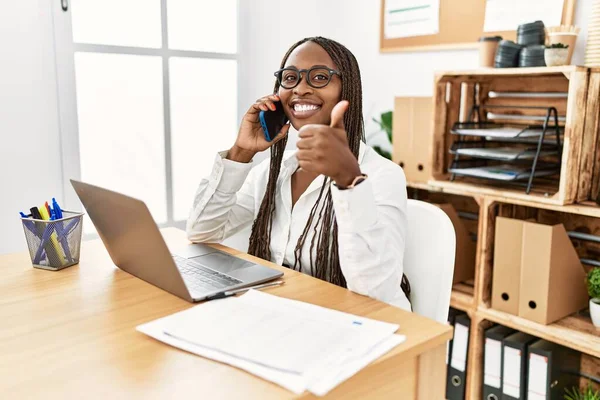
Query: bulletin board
x,y
461,24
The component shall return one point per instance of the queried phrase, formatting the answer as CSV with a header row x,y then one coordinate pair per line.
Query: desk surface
x,y
71,334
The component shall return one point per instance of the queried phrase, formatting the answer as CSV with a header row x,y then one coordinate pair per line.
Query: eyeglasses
x,y
319,76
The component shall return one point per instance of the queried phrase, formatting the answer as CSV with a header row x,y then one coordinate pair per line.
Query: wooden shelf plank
x,y
472,189
574,331
586,208
563,69
462,301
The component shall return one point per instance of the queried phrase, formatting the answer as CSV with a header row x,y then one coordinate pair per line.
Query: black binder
x,y
457,368
492,372
452,314
514,365
552,368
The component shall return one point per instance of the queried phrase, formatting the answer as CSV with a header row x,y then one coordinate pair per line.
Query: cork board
x,y
460,26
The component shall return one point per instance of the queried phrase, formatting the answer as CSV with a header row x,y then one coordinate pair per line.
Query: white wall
x,y
29,132
30,161
355,24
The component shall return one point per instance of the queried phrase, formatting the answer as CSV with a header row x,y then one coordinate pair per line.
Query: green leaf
x,y
573,394
382,152
593,283
577,394
386,122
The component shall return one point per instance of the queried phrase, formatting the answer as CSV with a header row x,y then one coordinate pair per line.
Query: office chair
x,y
429,259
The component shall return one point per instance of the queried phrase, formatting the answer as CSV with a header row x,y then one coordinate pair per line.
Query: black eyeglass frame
x,y
278,74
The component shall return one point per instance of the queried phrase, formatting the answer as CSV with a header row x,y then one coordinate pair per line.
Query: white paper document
x,y
504,172
501,132
296,345
507,15
406,18
501,153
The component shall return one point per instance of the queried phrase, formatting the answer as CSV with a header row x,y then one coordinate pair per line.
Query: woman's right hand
x,y
251,138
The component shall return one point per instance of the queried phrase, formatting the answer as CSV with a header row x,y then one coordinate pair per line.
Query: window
x,y
155,88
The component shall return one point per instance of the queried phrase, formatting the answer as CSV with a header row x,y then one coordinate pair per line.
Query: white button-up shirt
x,y
371,218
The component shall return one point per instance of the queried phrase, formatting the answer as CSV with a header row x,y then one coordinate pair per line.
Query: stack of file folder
x,y
296,345
521,366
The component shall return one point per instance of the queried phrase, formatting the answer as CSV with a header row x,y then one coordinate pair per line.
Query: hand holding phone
x,y
252,137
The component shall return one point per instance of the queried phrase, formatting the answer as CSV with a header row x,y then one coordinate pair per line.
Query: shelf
x,y
587,208
563,69
507,154
504,172
462,297
502,193
574,331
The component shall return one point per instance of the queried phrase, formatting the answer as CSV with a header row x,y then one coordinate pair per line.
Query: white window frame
x,y
65,50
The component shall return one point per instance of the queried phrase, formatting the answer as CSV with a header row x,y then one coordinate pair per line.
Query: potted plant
x,y
593,285
577,394
386,126
556,54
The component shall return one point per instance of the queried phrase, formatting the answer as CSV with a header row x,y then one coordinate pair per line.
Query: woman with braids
x,y
333,208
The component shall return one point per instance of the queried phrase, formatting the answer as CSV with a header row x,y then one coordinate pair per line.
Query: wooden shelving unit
x,y
574,331
571,203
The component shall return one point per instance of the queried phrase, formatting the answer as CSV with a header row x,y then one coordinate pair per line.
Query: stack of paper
x,y
296,345
504,172
502,132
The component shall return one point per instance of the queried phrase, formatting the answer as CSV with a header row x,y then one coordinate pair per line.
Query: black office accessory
x,y
507,54
452,314
492,372
551,369
457,369
531,33
514,365
532,56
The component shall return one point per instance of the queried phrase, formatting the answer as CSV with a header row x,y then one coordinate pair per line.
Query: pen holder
x,y
54,245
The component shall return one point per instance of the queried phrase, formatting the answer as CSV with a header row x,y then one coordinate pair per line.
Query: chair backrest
x,y
429,259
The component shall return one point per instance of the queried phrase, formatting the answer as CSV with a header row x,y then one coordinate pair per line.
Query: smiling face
x,y
305,104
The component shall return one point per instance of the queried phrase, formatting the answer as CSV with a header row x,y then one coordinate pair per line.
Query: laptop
x,y
136,246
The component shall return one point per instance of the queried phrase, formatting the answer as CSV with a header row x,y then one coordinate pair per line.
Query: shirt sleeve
x,y
372,224
224,202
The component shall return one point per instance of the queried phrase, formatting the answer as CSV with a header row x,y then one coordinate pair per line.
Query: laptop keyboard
x,y
200,278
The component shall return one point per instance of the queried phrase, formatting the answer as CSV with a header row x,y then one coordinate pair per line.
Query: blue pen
x,y
57,209
62,233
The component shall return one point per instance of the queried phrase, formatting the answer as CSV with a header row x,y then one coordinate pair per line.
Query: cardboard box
x,y
537,272
464,264
508,242
412,130
552,277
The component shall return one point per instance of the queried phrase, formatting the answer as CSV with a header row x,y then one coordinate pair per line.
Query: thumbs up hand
x,y
324,150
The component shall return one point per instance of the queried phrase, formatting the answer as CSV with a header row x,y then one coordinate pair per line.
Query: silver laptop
x,y
135,245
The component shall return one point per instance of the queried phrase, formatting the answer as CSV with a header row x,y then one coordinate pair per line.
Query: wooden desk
x,y
71,334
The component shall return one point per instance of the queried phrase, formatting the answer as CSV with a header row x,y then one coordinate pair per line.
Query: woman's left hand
x,y
324,149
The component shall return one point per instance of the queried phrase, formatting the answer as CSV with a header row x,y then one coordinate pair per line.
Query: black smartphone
x,y
272,121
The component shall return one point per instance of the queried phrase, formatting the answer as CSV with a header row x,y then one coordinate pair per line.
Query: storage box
x,y
412,124
515,91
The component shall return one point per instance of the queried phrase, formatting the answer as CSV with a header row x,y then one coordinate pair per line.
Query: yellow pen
x,y
53,237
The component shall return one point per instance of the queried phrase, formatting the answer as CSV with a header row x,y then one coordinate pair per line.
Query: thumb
x,y
337,114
